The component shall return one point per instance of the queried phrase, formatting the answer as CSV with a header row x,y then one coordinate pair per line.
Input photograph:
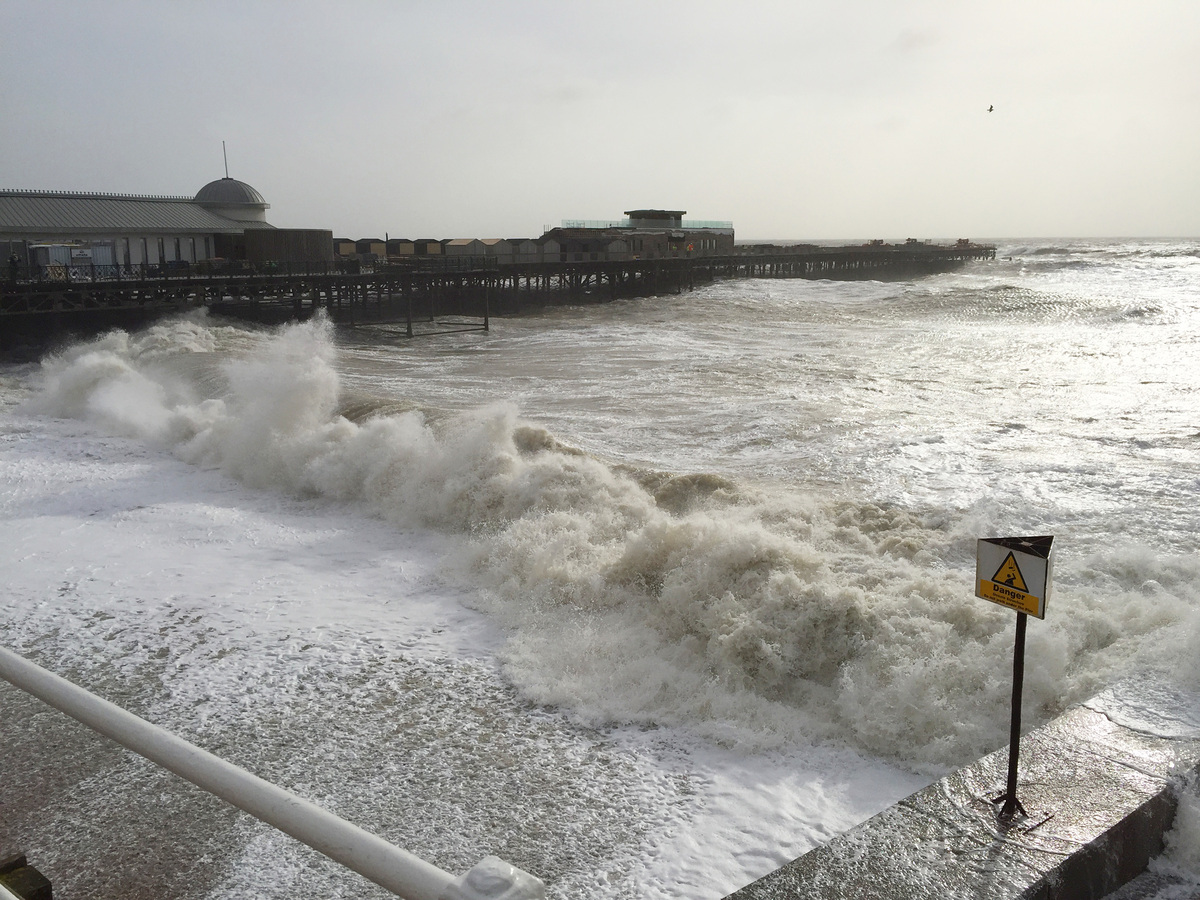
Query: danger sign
x,y
1015,572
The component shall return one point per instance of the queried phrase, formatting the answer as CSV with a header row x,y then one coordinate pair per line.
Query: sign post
x,y
1015,572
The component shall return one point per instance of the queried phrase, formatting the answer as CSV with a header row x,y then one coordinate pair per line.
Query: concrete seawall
x,y
1099,796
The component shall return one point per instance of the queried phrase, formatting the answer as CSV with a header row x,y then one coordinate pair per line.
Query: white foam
x,y
322,650
753,619
1182,856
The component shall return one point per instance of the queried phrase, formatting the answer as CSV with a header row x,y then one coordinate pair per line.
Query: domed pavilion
x,y
226,219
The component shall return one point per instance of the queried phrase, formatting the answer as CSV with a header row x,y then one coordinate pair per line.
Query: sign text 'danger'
x,y
1015,572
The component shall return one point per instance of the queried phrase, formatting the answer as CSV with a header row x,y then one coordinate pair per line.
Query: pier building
x,y
226,219
644,234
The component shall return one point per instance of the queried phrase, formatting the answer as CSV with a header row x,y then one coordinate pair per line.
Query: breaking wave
x,y
749,614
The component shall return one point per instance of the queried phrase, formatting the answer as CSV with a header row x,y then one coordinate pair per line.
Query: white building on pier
x,y
63,227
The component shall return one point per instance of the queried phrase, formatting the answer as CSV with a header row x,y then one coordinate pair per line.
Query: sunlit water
x,y
647,597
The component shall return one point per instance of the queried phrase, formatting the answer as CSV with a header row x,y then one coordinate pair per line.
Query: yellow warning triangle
x,y
1010,574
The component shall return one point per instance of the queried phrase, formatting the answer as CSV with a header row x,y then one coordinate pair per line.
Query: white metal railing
x,y
369,855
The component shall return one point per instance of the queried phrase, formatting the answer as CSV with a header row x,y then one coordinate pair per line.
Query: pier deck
x,y
39,304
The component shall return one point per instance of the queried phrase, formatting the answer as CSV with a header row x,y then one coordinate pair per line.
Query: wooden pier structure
x,y
425,296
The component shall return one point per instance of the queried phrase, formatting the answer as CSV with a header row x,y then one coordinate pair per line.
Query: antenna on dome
x,y
226,155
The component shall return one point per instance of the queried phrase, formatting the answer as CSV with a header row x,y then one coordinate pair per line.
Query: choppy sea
x,y
646,597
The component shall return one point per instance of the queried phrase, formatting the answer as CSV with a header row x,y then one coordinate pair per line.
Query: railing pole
x,y
371,856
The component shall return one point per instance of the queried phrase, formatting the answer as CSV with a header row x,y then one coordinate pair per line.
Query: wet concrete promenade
x,y
1099,798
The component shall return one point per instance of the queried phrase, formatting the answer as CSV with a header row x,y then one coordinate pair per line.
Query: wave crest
x,y
652,598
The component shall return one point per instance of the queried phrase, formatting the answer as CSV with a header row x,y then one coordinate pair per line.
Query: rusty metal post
x,y
1009,797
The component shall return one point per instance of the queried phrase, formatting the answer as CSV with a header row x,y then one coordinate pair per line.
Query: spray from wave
x,y
748,615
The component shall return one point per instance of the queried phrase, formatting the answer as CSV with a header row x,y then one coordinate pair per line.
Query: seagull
x,y
990,108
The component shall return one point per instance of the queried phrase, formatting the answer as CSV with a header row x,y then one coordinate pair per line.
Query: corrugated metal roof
x,y
36,212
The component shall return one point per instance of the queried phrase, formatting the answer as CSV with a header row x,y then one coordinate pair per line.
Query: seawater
x,y
646,596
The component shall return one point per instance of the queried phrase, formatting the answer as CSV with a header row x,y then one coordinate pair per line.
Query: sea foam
x,y
751,615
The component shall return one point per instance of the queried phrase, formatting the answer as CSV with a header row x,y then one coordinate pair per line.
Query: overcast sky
x,y
793,119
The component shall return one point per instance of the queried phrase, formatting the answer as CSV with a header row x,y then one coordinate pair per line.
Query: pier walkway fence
x,y
397,870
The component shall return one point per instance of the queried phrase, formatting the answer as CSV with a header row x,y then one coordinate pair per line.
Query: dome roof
x,y
229,190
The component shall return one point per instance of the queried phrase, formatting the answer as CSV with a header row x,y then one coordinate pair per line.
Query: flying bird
x,y
990,108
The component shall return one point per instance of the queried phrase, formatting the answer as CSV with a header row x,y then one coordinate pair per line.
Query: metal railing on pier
x,y
369,855
83,273
684,224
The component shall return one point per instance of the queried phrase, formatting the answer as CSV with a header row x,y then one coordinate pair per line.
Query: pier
x,y
427,296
